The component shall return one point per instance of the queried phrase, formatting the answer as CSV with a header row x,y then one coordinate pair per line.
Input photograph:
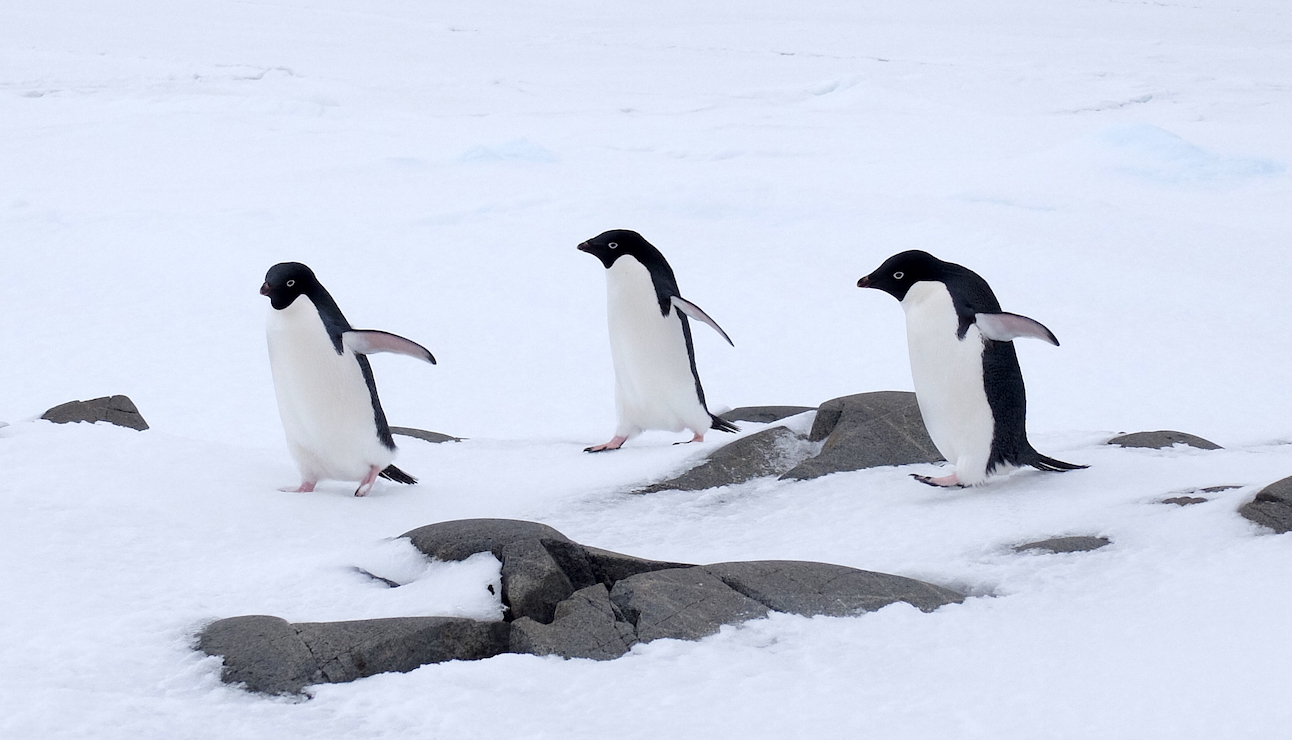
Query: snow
x,y
1116,170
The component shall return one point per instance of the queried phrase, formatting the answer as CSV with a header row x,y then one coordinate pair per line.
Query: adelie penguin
x,y
336,429
967,379
656,383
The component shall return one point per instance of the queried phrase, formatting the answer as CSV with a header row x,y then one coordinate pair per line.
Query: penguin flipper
x,y
697,313
1004,327
723,425
393,473
371,341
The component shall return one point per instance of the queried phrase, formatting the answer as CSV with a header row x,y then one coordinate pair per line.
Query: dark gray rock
x,y
1272,506
684,604
611,567
809,589
263,653
586,625
462,538
119,410
1185,500
532,581
867,430
422,434
1065,544
345,651
763,414
1162,439
767,453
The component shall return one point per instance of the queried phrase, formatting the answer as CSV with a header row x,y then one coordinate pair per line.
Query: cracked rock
x,y
118,410
684,604
586,625
809,589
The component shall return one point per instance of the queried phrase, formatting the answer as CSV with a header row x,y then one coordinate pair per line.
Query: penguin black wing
x,y
697,313
371,342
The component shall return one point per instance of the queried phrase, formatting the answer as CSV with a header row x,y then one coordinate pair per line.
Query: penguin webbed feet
x,y
610,446
697,438
306,486
947,481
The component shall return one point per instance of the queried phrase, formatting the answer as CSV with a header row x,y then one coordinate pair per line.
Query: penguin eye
x,y
899,275
290,283
613,245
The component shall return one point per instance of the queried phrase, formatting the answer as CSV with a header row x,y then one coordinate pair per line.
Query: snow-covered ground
x,y
1117,170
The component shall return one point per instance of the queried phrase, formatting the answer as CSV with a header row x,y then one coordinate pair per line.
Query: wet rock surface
x,y
118,410
1162,439
562,598
865,430
1272,507
767,453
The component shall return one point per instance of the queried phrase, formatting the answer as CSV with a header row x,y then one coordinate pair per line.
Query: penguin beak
x,y
864,282
585,247
264,289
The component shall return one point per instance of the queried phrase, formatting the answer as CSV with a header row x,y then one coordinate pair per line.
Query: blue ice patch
x,y
1157,154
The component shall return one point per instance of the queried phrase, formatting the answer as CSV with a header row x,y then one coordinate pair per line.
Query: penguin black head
x,y
899,272
285,281
611,245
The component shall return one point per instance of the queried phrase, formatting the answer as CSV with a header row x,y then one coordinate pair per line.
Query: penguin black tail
x,y
1041,462
393,473
723,425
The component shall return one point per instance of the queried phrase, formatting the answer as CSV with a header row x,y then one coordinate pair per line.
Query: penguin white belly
x,y
322,397
948,376
654,385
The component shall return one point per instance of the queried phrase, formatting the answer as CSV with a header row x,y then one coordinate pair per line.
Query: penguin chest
x,y
948,376
325,404
655,387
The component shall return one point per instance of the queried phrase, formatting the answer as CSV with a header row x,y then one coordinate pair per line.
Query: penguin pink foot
x,y
946,481
306,486
613,444
697,438
366,484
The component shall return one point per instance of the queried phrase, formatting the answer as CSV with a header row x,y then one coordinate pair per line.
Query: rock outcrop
x,y
562,598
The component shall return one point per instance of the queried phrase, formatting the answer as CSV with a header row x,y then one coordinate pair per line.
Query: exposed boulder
x,y
263,653
1162,439
806,588
763,414
1065,544
345,651
1272,506
564,599
867,430
118,410
767,453
270,656
462,538
425,436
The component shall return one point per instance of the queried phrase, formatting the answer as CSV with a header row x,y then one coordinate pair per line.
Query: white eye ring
x,y
290,283
899,275
613,245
